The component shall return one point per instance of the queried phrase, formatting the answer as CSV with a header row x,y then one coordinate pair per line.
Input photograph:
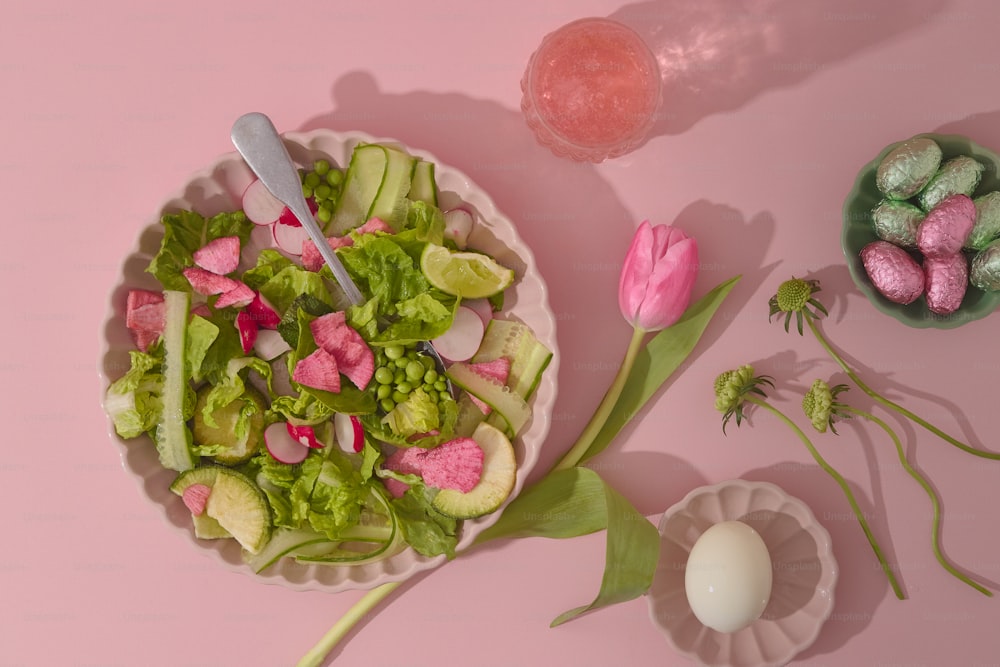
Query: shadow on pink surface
x,y
569,215
717,55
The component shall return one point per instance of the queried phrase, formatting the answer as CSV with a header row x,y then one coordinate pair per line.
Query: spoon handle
x,y
257,140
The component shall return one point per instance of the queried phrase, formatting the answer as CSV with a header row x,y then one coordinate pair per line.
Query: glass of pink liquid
x,y
591,90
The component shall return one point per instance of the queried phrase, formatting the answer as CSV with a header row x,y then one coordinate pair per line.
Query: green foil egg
x,y
958,176
984,270
897,222
907,168
987,227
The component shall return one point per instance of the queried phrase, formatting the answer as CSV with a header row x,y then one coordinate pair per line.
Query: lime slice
x,y
469,275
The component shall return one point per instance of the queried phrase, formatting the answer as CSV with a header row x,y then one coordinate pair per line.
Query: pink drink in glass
x,y
591,90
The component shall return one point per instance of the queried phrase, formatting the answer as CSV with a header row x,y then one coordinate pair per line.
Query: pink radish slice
x,y
259,205
288,218
269,344
195,498
482,308
462,340
221,255
349,432
304,434
282,446
247,329
458,225
263,313
289,238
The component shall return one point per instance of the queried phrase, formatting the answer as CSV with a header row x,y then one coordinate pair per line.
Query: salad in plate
x,y
306,428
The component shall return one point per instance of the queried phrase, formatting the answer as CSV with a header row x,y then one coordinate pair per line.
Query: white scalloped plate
x,y
804,575
218,188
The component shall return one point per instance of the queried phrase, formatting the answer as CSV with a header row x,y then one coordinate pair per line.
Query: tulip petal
x,y
668,291
638,266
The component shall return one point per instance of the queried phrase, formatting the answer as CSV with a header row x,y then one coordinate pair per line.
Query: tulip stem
x,y
890,404
842,483
578,452
935,502
318,653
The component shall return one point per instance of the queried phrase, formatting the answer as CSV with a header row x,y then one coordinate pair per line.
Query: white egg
x,y
728,576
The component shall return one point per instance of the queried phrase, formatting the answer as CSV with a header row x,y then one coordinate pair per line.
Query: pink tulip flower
x,y
657,278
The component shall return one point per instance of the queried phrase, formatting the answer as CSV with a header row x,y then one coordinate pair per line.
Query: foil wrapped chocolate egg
x,y
946,227
984,271
893,272
959,175
987,227
946,280
897,222
906,169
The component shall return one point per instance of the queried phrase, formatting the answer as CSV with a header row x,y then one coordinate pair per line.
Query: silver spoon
x,y
258,141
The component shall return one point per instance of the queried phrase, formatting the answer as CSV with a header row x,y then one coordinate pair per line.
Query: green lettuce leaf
x,y
425,529
201,335
134,401
288,284
269,263
185,232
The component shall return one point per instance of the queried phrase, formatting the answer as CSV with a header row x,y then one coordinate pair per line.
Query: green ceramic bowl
x,y
858,232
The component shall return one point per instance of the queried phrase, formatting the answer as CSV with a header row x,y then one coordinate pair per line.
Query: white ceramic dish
x,y
804,575
217,188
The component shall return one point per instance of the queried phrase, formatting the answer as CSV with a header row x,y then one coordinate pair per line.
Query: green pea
x,y
430,377
322,191
383,391
307,190
404,387
445,396
387,405
324,214
428,362
414,370
434,398
383,375
394,351
399,397
334,177
321,167
311,179
441,385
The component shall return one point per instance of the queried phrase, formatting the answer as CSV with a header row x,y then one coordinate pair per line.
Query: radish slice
x,y
462,340
290,219
259,205
482,308
349,432
458,225
263,313
289,238
282,446
305,434
269,344
248,331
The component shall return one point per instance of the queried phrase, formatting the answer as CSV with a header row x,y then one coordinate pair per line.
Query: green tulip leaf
x,y
657,361
576,501
631,554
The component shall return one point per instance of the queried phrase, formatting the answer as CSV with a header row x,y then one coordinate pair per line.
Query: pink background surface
x,y
771,108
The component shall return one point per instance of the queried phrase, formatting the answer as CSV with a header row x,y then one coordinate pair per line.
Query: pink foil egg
x,y
893,272
946,227
946,279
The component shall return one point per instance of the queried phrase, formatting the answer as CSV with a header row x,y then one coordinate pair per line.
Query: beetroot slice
x,y
221,255
354,358
207,283
239,296
312,260
319,371
195,498
456,464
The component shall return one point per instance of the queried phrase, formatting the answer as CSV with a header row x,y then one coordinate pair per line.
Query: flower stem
x,y
890,404
596,423
935,503
318,653
843,486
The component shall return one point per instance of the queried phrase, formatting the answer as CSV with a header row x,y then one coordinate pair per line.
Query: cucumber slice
x,y
423,187
389,205
508,403
528,356
236,503
499,475
172,436
237,450
362,183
